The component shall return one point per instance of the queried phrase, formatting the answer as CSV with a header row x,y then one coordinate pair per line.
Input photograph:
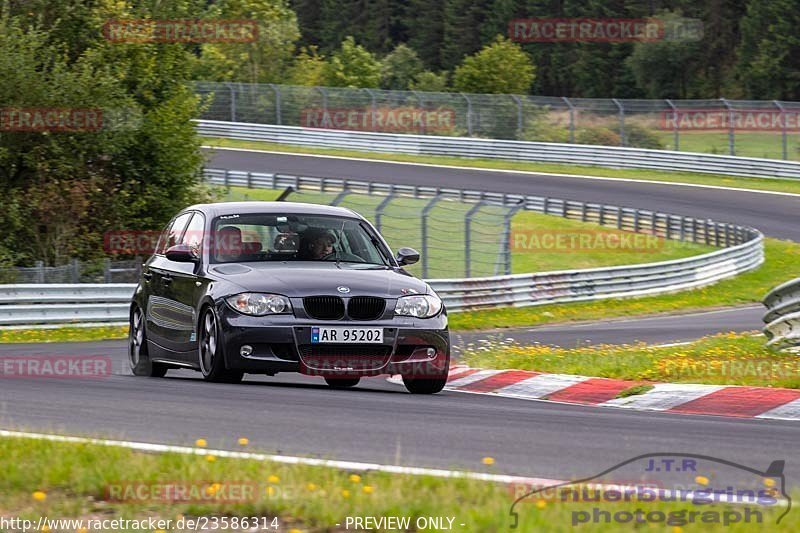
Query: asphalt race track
x,y
380,422
376,422
774,215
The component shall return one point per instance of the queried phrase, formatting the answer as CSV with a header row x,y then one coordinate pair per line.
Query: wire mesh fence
x,y
769,129
75,271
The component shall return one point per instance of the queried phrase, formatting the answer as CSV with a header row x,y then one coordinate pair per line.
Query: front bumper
x,y
412,347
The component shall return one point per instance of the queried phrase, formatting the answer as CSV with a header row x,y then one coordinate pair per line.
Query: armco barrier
x,y
603,156
783,315
742,251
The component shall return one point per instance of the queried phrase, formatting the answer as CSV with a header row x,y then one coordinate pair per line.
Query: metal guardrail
x,y
602,156
783,315
742,251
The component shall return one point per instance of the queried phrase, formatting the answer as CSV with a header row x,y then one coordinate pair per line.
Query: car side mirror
x,y
407,256
181,253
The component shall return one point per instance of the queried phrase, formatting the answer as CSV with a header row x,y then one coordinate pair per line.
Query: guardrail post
x,y
507,236
106,270
621,122
277,91
469,113
731,128
233,101
676,130
783,129
571,119
381,207
424,230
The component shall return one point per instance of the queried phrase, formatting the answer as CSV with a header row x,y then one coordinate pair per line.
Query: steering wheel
x,y
327,257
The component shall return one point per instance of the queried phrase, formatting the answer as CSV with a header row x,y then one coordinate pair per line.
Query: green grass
x,y
724,359
762,184
64,334
72,481
782,262
747,144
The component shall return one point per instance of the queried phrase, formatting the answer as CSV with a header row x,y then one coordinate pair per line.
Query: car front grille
x,y
365,307
345,350
324,307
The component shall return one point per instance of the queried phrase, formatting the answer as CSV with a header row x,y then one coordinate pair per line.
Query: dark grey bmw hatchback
x,y
266,287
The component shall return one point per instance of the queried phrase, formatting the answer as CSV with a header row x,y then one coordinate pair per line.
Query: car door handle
x,y
147,276
166,279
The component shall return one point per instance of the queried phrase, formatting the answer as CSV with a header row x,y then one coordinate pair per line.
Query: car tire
x,y
138,353
342,383
212,363
424,386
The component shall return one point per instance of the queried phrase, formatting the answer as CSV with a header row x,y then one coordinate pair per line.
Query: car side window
x,y
193,236
174,233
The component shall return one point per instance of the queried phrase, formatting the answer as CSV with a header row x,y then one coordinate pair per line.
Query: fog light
x,y
246,350
431,353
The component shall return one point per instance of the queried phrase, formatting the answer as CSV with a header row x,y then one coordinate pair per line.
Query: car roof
x,y
243,208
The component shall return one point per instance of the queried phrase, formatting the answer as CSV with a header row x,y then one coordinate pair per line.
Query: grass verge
x,y
759,184
724,359
782,262
65,334
65,480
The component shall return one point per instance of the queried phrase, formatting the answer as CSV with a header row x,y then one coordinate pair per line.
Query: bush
x,y
640,137
597,135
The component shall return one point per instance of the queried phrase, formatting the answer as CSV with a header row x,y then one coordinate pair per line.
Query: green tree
x,y
429,81
399,68
769,54
308,68
501,67
140,164
267,59
352,66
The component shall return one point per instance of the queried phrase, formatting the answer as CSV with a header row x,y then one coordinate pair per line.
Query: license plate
x,y
345,335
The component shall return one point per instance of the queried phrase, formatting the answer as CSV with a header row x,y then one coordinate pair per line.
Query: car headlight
x,y
418,305
253,303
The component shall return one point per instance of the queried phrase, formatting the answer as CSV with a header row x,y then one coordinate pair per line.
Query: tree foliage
x,y
352,66
501,67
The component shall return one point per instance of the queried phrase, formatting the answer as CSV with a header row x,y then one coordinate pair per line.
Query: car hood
x,y
312,279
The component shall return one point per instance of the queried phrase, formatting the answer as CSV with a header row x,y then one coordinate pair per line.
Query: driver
x,y
319,244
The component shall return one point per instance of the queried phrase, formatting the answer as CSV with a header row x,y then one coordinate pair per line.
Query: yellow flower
x,y
243,441
274,479
702,480
488,460
45,529
311,487
270,491
355,478
211,458
39,496
345,493
368,489
769,482
201,443
295,530
541,504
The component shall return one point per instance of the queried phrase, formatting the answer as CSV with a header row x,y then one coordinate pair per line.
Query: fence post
x,y
421,106
324,93
340,197
76,271
107,270
571,119
469,113
39,271
731,130
424,228
233,101
507,236
468,236
676,133
783,129
381,207
374,108
621,122
519,114
277,91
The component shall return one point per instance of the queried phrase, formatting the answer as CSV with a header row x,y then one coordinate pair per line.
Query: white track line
x,y
509,171
286,459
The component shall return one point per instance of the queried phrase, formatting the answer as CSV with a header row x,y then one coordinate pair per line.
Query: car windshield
x,y
294,237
